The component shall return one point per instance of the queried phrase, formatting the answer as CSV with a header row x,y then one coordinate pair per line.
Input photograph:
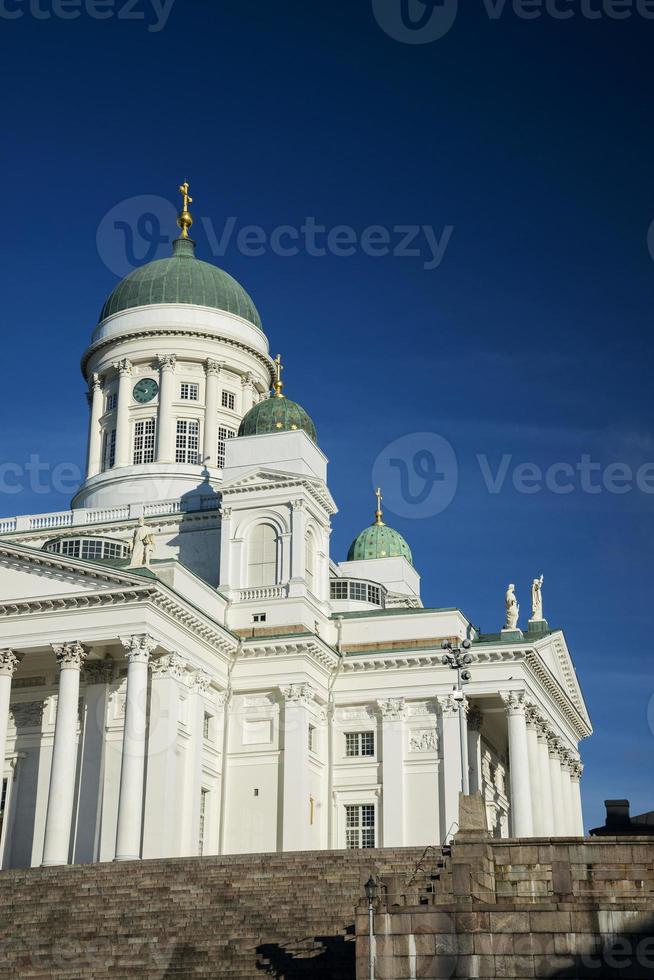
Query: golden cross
x,y
279,384
378,512
185,218
184,191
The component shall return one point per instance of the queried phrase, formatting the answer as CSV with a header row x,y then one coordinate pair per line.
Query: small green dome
x,y
182,279
379,541
277,414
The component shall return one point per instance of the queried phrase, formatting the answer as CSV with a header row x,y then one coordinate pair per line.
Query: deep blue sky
x,y
533,139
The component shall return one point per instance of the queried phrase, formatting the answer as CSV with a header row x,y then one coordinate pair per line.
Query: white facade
x,y
247,692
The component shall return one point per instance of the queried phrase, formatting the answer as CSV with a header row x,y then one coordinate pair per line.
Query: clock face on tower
x,y
145,390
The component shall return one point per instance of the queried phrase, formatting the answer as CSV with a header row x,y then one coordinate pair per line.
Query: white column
x,y
94,452
521,815
124,369
298,547
451,765
225,571
393,713
475,721
570,822
577,809
200,683
547,819
296,812
130,801
98,675
247,397
210,444
164,790
558,804
61,798
537,801
165,415
8,664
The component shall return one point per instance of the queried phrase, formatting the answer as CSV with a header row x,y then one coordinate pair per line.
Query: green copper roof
x,y
379,541
181,279
277,415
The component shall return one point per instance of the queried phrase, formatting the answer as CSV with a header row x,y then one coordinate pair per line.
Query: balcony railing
x,y
106,515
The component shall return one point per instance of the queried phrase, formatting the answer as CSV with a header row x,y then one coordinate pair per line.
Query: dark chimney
x,y
617,814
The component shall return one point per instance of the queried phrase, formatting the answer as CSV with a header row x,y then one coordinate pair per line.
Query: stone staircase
x,y
280,915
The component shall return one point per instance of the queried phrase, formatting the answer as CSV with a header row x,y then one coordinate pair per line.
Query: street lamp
x,y
458,658
371,894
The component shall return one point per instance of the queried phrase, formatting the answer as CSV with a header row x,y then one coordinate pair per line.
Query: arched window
x,y
262,556
310,561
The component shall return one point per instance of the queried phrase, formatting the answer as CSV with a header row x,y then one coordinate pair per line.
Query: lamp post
x,y
458,659
371,894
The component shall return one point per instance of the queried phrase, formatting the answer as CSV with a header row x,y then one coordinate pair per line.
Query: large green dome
x,y
379,541
181,279
277,414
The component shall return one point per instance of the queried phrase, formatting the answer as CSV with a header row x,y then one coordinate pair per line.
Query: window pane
x,y
262,556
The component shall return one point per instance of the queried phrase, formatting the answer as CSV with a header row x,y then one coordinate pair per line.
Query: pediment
x,y
556,657
28,573
265,479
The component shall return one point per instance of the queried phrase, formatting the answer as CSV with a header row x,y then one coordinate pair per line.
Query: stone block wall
x,y
537,908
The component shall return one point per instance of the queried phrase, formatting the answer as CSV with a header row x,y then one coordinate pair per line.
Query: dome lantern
x,y
277,413
378,540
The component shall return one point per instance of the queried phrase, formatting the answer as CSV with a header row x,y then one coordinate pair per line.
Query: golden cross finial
x,y
279,384
378,512
185,218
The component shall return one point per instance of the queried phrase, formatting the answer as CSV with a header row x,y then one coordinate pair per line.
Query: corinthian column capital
x,y
8,663
212,367
298,694
138,648
450,705
166,361
392,709
124,367
515,702
69,654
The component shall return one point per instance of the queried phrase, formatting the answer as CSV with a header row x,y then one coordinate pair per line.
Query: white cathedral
x,y
185,668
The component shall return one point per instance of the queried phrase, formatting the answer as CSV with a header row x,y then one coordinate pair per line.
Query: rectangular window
x,y
189,392
187,441
359,743
229,400
358,591
92,549
112,401
223,435
70,548
338,589
206,726
312,738
259,618
108,448
204,793
359,826
144,432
